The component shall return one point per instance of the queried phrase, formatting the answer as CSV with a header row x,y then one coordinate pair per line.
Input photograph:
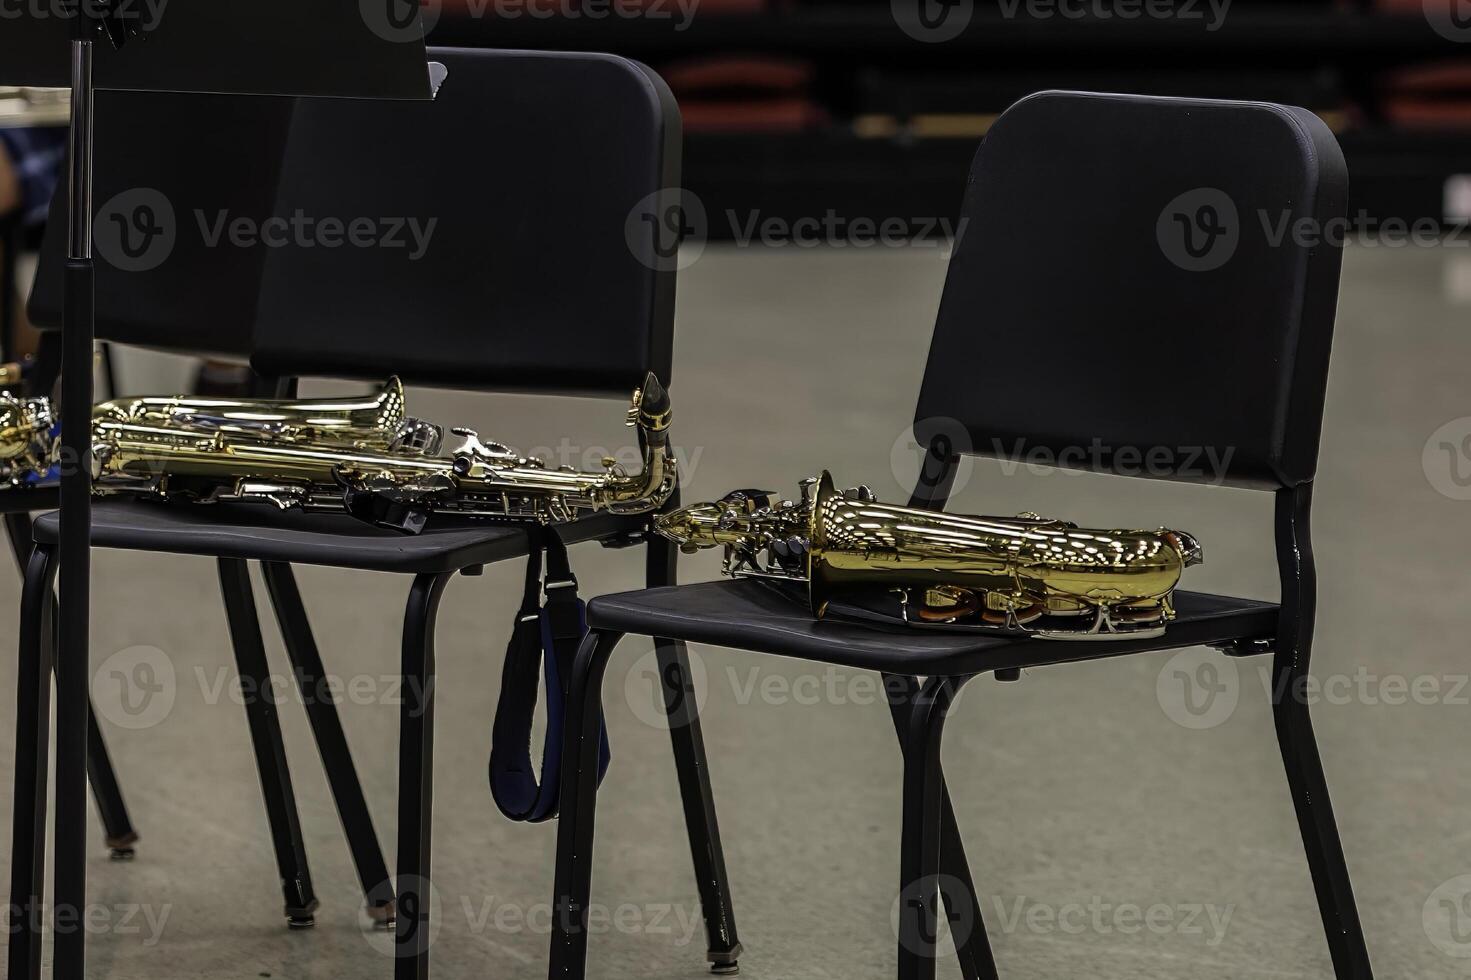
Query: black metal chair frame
x,y
344,543
120,836
265,730
932,844
933,862
231,338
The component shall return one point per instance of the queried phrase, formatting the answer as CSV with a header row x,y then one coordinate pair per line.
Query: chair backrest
x,y
1143,286
528,173
163,160
489,240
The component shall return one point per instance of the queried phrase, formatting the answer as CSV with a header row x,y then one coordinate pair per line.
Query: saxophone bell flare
x,y
26,437
1191,553
16,428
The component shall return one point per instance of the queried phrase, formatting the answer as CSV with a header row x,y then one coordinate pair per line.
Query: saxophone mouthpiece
x,y
654,413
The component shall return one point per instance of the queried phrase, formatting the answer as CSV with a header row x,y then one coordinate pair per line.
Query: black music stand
x,y
335,49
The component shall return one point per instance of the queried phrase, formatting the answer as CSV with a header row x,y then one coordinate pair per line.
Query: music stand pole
x,y
78,331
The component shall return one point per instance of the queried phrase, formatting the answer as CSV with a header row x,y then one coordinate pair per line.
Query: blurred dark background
x,y
872,107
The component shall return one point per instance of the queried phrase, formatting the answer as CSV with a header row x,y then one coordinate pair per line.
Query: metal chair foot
x,y
121,847
383,916
302,916
725,962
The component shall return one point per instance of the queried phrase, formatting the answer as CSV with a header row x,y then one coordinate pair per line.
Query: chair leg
x,y
116,823
579,800
265,736
919,864
962,901
724,948
118,826
416,779
1319,829
973,948
347,791
18,530
32,744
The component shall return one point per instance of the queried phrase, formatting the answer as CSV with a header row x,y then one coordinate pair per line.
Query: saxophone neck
x,y
708,525
744,520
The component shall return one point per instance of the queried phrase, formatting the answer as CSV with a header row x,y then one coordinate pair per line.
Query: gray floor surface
x,y
1116,830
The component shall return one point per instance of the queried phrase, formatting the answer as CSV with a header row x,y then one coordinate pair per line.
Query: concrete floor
x,y
1091,801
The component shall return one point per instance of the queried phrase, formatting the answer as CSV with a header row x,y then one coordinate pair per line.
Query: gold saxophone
x,y
363,456
1029,575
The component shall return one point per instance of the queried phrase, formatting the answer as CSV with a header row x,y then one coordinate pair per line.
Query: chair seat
x,y
750,615
262,533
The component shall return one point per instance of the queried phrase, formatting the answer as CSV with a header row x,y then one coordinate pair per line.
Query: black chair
x,y
17,509
1071,314
532,165
230,159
